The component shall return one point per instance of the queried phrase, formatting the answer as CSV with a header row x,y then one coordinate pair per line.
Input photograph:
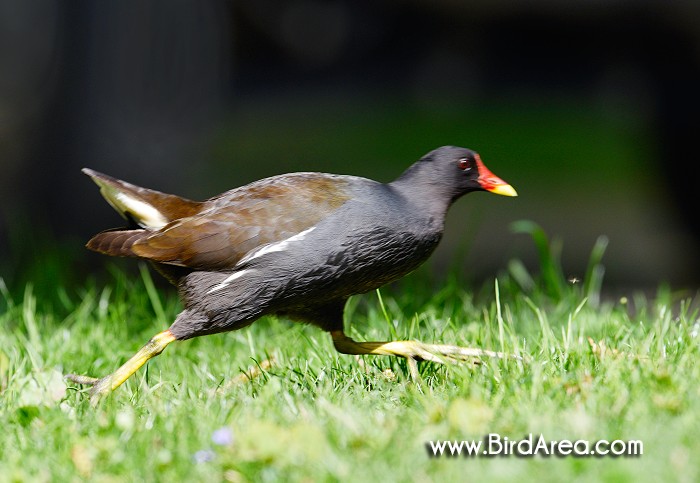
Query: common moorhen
x,y
297,245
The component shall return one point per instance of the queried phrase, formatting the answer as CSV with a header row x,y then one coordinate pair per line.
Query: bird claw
x,y
413,351
84,380
413,368
440,353
105,385
100,386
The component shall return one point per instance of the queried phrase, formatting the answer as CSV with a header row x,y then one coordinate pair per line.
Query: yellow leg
x,y
103,386
412,350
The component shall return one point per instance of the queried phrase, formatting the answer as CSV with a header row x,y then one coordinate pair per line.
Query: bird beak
x,y
491,182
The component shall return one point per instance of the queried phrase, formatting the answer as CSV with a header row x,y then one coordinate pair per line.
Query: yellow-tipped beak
x,y
492,183
503,189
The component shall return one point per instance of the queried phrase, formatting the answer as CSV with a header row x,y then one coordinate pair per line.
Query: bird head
x,y
455,172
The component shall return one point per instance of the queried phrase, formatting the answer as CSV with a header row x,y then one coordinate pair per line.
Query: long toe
x,y
457,353
442,353
100,387
78,379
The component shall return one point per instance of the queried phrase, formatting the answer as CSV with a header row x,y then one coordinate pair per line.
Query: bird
x,y
295,245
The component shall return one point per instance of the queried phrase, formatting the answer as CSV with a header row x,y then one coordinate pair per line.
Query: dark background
x,y
589,109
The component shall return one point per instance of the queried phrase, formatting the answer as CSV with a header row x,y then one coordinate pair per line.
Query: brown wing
x,y
241,220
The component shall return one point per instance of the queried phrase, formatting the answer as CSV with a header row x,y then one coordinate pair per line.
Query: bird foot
x,y
413,351
442,353
105,385
100,387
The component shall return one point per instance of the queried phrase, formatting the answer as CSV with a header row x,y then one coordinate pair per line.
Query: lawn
x,y
591,367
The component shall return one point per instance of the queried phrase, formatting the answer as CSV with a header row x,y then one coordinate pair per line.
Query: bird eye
x,y
464,164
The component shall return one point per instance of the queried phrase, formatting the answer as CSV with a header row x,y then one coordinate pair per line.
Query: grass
x,y
593,369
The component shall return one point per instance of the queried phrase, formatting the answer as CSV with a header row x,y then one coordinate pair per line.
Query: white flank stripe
x,y
145,214
228,280
276,247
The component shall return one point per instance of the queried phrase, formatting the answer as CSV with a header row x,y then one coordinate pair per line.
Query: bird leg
x,y
103,386
412,350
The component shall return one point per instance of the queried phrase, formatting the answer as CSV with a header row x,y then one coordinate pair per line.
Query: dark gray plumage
x,y
297,245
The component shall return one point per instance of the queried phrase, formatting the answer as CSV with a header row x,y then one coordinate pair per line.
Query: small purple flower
x,y
203,456
223,436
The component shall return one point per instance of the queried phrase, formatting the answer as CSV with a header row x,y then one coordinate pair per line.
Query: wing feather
x,y
237,222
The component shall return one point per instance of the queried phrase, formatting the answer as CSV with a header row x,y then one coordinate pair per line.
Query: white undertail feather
x,y
143,213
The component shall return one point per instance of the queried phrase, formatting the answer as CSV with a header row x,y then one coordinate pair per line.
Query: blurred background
x,y
589,109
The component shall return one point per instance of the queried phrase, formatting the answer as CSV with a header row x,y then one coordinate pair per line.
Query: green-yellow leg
x,y
412,350
105,385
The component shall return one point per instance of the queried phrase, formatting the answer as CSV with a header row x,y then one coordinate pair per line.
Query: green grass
x,y
592,369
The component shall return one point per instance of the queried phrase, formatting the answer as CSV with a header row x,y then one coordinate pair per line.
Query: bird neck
x,y
428,197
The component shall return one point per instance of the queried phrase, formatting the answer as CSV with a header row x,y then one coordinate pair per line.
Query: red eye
x,y
463,164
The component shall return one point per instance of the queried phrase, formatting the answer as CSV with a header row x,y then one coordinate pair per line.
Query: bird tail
x,y
148,209
116,243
